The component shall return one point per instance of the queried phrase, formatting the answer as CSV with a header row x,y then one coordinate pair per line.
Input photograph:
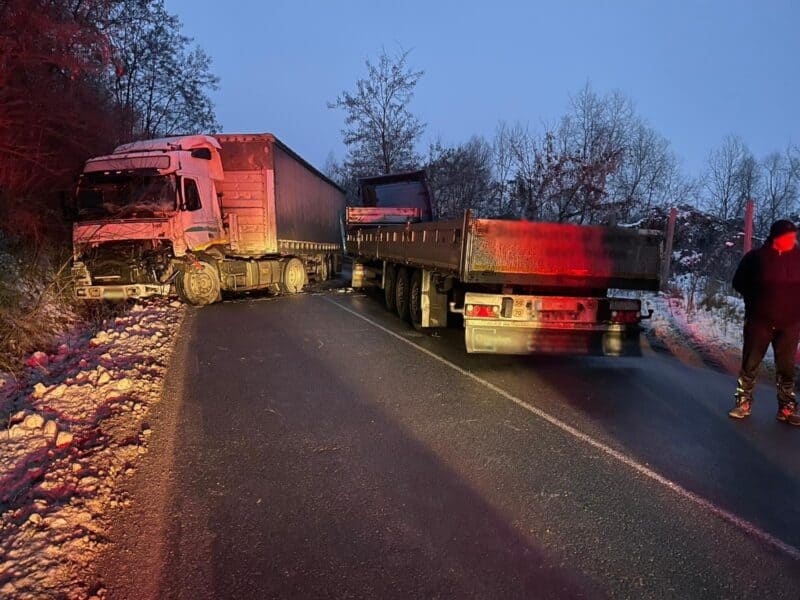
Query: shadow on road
x,y
307,489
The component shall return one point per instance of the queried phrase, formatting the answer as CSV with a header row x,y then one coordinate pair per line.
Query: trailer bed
x,y
539,255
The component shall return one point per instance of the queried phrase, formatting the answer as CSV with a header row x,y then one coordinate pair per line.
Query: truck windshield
x,y
138,193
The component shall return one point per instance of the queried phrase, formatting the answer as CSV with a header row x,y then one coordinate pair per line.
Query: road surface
x,y
317,447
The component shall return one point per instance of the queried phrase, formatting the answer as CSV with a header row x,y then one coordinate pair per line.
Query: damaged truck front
x,y
158,216
129,230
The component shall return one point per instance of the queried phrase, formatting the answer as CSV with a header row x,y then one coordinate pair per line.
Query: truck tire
x,y
389,285
198,284
331,266
294,276
401,293
323,269
415,299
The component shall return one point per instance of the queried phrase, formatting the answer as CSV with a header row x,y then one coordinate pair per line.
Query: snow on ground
x,y
714,333
711,330
73,429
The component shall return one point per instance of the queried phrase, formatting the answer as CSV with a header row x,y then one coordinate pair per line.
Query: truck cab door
x,y
199,213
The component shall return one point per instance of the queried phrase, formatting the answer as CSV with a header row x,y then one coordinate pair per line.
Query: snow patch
x,y
75,424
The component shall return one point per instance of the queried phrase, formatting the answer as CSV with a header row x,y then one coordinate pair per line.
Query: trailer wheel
x,y
323,268
415,299
401,295
198,284
389,285
331,266
294,276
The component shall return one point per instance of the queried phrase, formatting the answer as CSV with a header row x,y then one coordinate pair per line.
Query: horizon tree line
x,y
600,163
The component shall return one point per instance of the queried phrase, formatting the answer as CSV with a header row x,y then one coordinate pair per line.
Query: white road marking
x,y
743,524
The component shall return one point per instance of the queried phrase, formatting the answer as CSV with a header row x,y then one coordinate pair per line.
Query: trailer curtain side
x,y
280,203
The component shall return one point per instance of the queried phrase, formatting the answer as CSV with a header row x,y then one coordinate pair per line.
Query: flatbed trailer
x,y
521,287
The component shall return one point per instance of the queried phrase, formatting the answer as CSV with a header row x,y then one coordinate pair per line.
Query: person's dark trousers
x,y
757,338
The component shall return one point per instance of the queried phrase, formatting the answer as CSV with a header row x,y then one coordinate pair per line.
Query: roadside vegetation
x,y
77,78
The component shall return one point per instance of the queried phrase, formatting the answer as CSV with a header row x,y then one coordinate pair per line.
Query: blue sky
x,y
696,70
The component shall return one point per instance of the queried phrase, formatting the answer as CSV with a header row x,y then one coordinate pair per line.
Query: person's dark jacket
x,y
770,285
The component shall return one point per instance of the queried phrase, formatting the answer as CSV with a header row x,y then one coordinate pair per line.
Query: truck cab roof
x,y
167,144
187,153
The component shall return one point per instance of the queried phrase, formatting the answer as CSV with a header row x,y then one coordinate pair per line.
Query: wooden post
x,y
747,244
666,260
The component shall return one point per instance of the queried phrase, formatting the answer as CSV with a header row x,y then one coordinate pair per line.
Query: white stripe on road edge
x,y
723,514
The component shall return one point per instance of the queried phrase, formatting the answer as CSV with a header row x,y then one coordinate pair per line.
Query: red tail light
x,y
485,311
625,316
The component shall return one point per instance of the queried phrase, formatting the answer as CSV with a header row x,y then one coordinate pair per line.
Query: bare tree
x,y
779,191
460,177
579,157
646,173
748,180
793,156
380,131
528,184
731,176
161,83
596,126
502,167
599,163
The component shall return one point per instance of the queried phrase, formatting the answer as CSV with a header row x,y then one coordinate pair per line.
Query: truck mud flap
x,y
488,339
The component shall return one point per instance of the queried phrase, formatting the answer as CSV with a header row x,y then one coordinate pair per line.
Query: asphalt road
x,y
316,447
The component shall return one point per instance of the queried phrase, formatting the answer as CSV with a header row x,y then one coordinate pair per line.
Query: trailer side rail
x,y
431,245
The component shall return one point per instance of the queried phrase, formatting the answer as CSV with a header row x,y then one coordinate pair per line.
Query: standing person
x,y
769,280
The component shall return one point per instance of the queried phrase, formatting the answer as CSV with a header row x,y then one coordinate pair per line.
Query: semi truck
x,y
199,215
518,287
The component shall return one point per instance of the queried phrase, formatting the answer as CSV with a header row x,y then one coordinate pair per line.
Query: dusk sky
x,y
696,70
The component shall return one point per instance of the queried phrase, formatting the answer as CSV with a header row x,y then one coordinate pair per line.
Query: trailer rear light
x,y
625,316
481,310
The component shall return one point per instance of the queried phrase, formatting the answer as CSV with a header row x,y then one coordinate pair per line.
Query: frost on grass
x,y
711,328
72,430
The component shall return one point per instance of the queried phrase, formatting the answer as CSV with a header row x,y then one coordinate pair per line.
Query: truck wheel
x,y
415,299
294,276
389,285
401,293
323,269
198,284
331,266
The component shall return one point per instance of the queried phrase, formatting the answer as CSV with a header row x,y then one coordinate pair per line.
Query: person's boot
x,y
787,401
744,397
742,407
787,413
